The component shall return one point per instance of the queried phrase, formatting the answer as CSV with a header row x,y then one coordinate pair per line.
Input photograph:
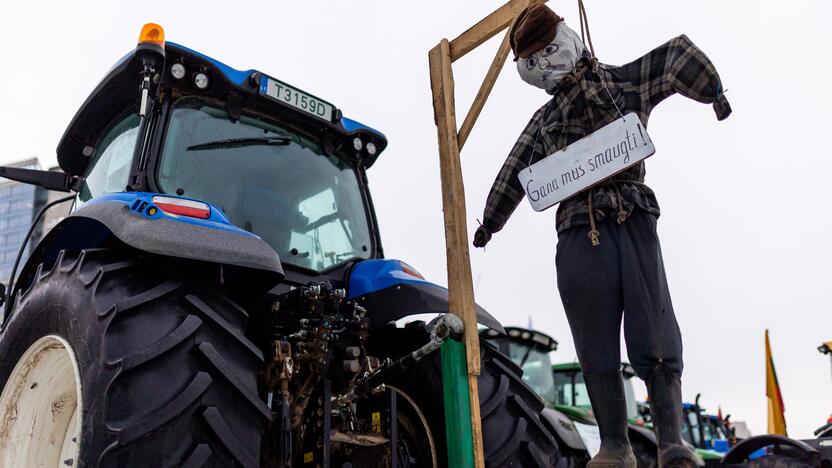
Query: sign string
x,y
586,38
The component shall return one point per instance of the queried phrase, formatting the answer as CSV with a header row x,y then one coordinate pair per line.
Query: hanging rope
x,y
621,215
586,39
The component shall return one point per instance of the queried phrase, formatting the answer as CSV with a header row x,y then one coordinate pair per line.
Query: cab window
x,y
110,166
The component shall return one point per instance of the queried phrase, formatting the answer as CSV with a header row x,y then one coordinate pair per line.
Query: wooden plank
x,y
460,283
487,27
485,90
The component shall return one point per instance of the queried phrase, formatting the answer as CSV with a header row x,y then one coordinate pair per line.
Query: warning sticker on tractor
x,y
376,423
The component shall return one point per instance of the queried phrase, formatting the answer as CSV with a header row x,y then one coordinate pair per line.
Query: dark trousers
x,y
622,277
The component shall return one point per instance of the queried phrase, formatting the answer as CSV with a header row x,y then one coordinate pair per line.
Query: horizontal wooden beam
x,y
488,27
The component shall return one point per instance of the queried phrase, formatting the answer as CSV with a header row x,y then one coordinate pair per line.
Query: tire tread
x,y
170,377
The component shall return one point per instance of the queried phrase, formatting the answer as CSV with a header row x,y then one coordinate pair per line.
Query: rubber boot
x,y
606,393
665,393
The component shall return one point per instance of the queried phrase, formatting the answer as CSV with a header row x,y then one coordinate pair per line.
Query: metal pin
x,y
480,223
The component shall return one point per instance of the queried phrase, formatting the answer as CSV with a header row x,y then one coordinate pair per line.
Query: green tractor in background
x,y
570,394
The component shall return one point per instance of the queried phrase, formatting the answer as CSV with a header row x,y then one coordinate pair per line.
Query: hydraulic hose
x,y
10,288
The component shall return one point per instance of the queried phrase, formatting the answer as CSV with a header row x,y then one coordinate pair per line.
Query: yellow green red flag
x,y
776,409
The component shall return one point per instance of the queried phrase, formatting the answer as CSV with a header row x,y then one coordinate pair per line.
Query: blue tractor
x,y
218,295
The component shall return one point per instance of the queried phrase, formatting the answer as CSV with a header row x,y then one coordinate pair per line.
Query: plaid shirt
x,y
581,105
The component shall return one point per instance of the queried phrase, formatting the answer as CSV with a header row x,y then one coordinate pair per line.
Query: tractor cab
x,y
274,160
571,392
529,349
704,431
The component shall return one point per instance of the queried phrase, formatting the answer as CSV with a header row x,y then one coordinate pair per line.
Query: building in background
x,y
55,214
19,204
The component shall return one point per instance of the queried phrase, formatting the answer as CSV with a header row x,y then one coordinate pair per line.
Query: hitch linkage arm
x,y
440,328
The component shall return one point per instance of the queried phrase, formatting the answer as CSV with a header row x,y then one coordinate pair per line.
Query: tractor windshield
x,y
570,390
269,180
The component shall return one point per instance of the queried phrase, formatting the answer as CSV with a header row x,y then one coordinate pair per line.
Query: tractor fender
x,y
391,290
740,452
133,219
564,429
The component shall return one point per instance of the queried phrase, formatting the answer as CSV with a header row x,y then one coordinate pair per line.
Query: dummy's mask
x,y
546,67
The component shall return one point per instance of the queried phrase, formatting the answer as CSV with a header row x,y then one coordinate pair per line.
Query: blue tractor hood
x,y
392,289
118,93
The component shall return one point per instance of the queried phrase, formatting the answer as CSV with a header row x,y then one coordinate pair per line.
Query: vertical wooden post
x,y
460,283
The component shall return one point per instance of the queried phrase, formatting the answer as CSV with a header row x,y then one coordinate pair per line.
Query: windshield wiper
x,y
240,142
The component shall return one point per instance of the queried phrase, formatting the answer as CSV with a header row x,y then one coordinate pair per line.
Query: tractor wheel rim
x,y
422,422
40,407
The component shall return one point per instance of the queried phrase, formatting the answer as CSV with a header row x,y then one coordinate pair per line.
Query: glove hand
x,y
481,237
721,107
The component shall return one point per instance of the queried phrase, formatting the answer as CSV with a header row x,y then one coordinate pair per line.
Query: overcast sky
x,y
744,225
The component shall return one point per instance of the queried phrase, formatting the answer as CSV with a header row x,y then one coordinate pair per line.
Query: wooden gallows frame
x,y
460,404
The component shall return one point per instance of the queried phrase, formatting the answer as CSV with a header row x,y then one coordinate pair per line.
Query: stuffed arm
x,y
677,66
507,192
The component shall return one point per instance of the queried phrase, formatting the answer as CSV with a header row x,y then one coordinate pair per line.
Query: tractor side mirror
x,y
50,180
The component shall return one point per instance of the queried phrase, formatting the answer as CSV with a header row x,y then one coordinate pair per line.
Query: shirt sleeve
x,y
507,191
677,66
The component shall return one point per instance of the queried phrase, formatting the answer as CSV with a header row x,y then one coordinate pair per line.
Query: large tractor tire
x,y
514,433
112,358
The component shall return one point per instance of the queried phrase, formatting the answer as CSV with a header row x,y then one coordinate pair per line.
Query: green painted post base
x,y
457,405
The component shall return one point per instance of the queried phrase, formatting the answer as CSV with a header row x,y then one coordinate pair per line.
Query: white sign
x,y
591,437
586,162
296,98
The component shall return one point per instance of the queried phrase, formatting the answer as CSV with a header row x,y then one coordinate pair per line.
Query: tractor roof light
x,y
177,70
151,48
152,33
201,80
183,207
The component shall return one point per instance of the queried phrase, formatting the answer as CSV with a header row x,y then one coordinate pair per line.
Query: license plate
x,y
586,162
296,98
